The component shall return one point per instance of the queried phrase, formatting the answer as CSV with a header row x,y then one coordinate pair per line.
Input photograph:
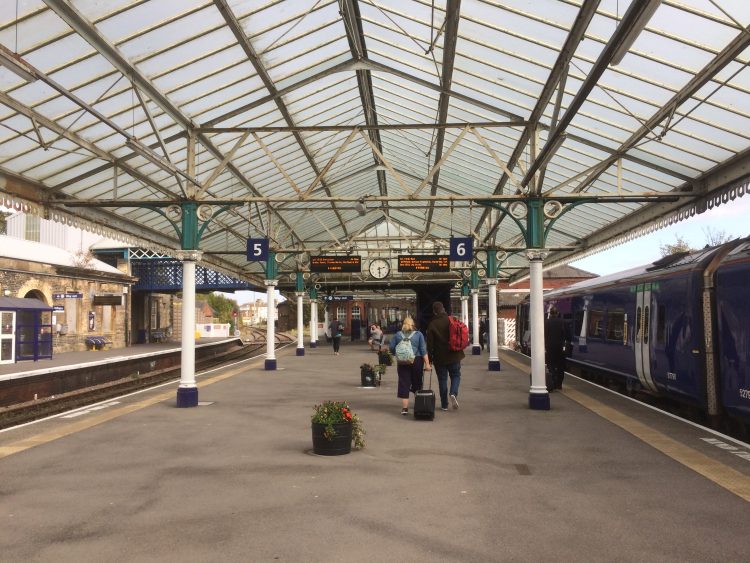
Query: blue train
x,y
677,328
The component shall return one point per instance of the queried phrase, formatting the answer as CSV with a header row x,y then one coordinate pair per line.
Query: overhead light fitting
x,y
17,65
151,156
634,32
360,207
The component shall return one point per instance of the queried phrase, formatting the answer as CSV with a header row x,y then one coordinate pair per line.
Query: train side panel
x,y
733,335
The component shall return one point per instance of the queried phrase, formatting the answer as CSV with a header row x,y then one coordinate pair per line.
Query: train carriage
x,y
677,328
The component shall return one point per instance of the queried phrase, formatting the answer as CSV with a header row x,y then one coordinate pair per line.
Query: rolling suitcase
x,y
424,403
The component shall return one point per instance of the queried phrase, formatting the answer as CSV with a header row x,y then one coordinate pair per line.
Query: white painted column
x,y
300,323
465,309
494,363
313,323
326,321
538,395
476,348
187,391
582,345
271,324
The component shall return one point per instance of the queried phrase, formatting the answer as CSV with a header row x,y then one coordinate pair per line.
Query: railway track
x,y
20,413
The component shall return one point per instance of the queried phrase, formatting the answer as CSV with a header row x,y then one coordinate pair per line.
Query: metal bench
x,y
97,342
158,335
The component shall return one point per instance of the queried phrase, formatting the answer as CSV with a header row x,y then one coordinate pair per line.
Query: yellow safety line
x,y
73,427
721,474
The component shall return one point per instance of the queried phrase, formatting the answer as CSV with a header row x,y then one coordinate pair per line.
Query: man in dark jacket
x,y
446,361
555,337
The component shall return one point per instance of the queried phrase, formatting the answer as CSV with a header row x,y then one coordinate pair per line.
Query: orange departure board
x,y
335,264
423,263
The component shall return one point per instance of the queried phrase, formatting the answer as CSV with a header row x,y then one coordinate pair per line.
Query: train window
x,y
638,323
646,312
615,325
661,324
596,324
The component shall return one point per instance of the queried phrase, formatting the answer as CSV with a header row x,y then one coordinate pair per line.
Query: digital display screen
x,y
423,263
335,264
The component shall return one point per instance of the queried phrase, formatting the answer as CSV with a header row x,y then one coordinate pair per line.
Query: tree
x,y
4,222
679,245
715,237
223,308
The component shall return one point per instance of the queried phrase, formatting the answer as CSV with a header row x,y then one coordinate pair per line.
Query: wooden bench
x,y
97,342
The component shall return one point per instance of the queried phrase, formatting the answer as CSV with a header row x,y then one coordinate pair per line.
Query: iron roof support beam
x,y
234,26
90,34
452,16
352,22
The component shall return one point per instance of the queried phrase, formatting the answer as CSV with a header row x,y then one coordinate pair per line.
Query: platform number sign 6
x,y
257,249
462,249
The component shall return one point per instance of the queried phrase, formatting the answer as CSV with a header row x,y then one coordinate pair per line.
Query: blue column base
x,y
300,351
583,348
539,401
494,365
476,350
271,364
187,397
314,344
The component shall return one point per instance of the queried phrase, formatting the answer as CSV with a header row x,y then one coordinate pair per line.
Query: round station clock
x,y
379,268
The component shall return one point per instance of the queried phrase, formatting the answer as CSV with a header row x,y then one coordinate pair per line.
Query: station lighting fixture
x,y
151,156
17,65
634,32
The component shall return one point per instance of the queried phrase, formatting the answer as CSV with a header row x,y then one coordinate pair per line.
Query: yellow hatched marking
x,y
721,474
89,422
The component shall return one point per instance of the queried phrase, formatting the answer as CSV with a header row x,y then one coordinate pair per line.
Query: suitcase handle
x,y
430,370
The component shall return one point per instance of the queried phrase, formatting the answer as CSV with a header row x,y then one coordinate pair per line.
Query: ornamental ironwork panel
x,y
165,275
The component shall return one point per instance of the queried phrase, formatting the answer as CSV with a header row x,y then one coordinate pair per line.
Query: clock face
x,y
379,268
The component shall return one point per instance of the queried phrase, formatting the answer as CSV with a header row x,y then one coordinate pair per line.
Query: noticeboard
x,y
336,264
423,263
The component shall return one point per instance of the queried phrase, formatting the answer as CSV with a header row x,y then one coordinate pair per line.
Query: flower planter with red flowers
x,y
334,428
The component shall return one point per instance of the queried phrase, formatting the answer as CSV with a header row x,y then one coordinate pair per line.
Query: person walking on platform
x,y
446,361
555,338
409,363
482,332
337,331
377,338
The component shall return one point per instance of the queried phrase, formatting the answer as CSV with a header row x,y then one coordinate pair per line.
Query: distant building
x,y
256,313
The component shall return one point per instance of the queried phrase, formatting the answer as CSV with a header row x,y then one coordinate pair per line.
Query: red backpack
x,y
458,335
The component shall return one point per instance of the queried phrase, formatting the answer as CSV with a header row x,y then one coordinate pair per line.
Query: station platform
x,y
596,478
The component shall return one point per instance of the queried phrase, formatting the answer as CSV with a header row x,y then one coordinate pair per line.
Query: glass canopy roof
x,y
375,127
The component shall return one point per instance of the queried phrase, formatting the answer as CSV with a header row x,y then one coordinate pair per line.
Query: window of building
x,y
107,318
341,314
70,323
356,312
616,325
32,230
596,324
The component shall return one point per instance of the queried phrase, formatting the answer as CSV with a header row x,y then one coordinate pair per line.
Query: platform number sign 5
x,y
257,249
462,249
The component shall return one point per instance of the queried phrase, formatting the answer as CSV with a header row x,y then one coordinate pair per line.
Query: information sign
x,y
462,249
257,249
335,264
423,263
67,296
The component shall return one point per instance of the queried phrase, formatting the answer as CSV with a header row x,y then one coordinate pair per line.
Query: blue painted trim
x,y
476,350
300,351
270,365
494,365
187,397
539,401
314,344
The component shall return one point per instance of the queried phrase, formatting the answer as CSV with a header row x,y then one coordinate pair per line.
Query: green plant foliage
x,y
222,307
337,412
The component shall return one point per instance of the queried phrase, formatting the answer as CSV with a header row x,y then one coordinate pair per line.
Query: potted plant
x,y
379,372
367,375
385,358
335,427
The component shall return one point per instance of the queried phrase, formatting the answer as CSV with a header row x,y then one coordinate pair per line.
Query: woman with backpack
x,y
410,349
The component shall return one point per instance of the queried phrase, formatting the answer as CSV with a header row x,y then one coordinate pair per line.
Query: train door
x,y
643,316
7,337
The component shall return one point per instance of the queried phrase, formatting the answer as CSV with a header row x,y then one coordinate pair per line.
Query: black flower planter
x,y
340,444
368,378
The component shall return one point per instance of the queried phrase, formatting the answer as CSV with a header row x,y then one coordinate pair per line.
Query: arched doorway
x,y
33,327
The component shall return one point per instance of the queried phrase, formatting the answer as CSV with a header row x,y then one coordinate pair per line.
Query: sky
x,y
733,218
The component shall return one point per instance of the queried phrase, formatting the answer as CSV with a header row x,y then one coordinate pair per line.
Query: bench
x,y
97,342
158,336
